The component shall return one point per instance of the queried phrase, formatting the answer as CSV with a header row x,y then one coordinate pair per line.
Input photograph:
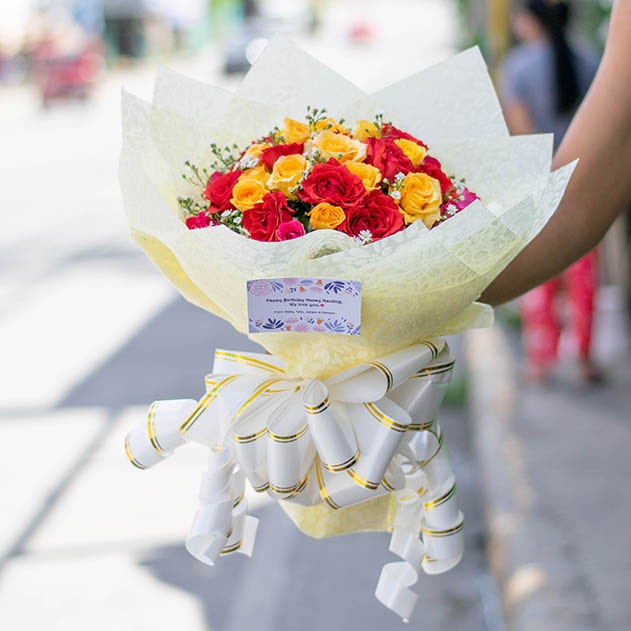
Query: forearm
x,y
600,136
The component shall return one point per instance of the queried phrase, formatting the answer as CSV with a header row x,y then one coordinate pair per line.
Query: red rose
x,y
332,182
433,168
198,221
263,220
379,214
219,189
389,158
290,230
271,154
393,133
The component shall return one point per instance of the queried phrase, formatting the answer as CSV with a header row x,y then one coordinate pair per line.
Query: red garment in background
x,y
544,313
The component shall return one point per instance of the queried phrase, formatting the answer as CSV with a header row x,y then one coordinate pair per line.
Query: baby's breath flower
x,y
364,237
395,194
399,177
248,162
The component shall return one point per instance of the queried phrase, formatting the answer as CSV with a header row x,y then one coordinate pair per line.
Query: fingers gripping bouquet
x,y
345,233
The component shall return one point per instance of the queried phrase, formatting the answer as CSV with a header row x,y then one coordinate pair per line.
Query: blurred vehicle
x,y
361,32
62,73
261,19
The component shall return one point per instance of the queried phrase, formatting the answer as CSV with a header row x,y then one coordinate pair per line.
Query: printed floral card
x,y
304,305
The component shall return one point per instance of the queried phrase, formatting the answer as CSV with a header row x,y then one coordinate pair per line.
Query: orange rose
x,y
415,152
366,129
295,131
420,199
326,215
287,173
330,144
247,192
368,174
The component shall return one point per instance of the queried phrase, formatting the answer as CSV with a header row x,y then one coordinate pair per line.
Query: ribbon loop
x,y
373,380
380,427
146,445
330,427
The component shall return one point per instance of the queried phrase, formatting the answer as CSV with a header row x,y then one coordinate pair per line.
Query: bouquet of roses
x,y
317,174
346,243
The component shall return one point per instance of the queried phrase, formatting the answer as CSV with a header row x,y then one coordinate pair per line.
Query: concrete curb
x,y
507,492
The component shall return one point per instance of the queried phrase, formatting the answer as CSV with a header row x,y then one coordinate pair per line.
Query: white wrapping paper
x,y
416,283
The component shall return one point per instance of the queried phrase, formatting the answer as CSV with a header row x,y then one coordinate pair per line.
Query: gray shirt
x,y
528,78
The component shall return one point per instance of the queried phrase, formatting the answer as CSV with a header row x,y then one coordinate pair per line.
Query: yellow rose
x,y
295,131
247,192
259,173
366,129
414,152
421,198
286,174
332,125
339,146
325,215
369,175
256,149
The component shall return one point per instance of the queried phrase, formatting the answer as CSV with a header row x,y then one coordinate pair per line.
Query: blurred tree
x,y
485,23
593,20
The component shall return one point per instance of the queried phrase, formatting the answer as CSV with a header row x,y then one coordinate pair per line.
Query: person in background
x,y
600,189
543,81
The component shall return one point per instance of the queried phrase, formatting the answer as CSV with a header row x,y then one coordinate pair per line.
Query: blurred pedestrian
x,y
600,189
544,80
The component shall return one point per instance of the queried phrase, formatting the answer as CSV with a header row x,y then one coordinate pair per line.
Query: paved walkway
x,y
555,468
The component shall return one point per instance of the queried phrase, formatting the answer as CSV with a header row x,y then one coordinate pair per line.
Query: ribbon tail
x,y
396,579
212,524
393,588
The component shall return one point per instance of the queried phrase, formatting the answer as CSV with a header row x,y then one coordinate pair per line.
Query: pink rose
x,y
468,197
290,230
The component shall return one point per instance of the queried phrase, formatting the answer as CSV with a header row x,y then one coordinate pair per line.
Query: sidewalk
x,y
554,464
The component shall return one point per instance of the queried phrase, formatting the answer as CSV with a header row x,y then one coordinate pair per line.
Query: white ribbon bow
x,y
341,441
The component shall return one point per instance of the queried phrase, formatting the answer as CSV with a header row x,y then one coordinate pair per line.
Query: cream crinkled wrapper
x,y
417,283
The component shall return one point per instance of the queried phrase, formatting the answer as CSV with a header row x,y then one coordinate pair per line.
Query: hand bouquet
x,y
346,234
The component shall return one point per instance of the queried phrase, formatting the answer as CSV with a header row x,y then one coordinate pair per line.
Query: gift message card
x,y
304,305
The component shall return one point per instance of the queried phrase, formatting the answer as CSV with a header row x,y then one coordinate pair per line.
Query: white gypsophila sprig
x,y
397,186
248,162
233,219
